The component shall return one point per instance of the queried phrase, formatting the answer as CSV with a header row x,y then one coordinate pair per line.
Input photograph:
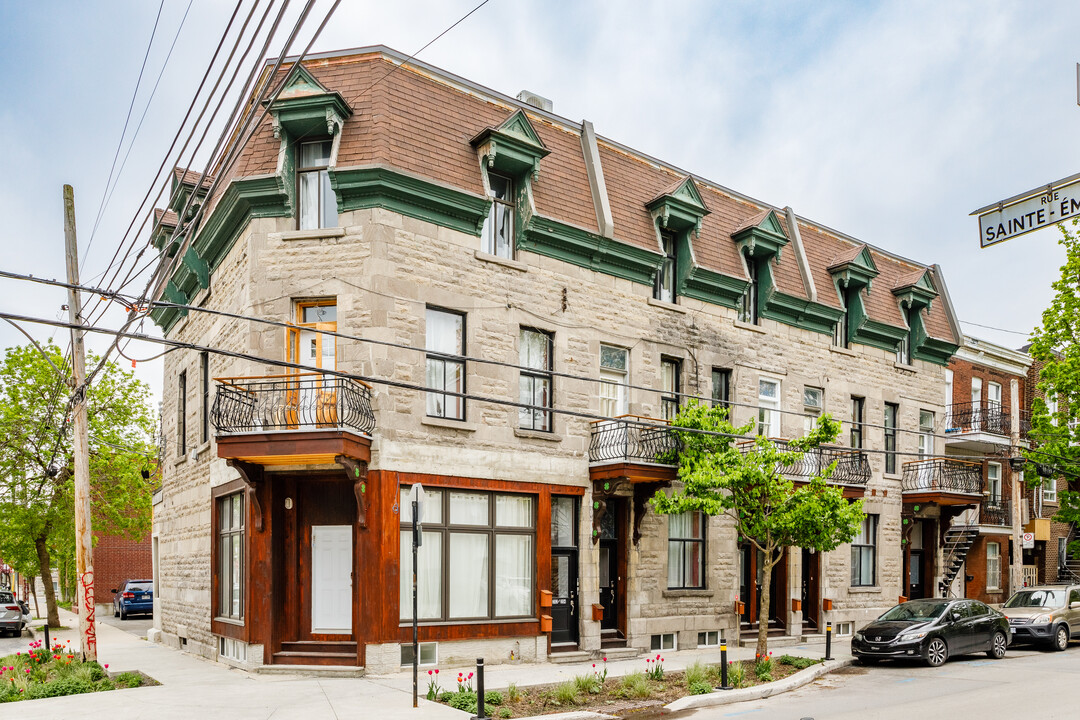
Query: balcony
x,y
996,512
633,447
293,419
982,428
852,466
944,481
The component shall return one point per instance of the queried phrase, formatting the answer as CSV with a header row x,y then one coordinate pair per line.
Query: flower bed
x,y
649,687
40,673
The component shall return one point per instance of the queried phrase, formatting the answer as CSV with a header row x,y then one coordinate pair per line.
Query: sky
x,y
888,121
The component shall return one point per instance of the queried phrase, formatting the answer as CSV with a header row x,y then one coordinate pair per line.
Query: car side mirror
x,y
955,615
113,591
1074,605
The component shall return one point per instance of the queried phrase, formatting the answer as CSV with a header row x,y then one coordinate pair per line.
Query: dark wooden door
x,y
916,576
811,588
612,570
752,578
565,602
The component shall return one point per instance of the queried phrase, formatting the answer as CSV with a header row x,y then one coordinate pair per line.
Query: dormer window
x,y
317,202
842,333
498,232
748,308
903,349
664,283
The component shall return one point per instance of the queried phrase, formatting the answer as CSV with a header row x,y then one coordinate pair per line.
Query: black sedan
x,y
934,630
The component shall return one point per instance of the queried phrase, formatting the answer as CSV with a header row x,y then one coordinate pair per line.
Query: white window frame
x,y
1049,490
812,408
664,637
991,481
488,234
926,435
768,408
993,566
712,638
614,390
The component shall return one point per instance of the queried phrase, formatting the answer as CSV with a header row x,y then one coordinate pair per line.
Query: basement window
x,y
665,641
709,638
429,653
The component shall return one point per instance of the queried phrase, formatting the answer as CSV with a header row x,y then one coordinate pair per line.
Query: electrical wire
x,y
398,384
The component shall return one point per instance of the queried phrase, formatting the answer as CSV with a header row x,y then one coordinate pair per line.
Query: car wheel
x,y
115,612
998,644
937,652
123,614
1061,638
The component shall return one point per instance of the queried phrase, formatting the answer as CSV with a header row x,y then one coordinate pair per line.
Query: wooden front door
x,y
612,572
752,576
565,602
811,589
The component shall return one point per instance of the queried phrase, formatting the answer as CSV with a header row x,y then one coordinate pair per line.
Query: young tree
x,y
747,485
1056,342
36,470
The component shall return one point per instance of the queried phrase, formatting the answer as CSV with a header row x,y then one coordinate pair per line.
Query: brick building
x,y
440,227
118,558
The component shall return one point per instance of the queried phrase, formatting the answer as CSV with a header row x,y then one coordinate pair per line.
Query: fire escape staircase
x,y
1069,566
958,541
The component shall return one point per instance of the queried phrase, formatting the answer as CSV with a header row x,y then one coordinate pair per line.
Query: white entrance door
x,y
331,579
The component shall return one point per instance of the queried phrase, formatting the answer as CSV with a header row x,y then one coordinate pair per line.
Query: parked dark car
x,y
12,617
933,630
133,596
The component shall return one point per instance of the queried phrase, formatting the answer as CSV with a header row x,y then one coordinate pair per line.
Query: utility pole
x,y
84,547
1016,558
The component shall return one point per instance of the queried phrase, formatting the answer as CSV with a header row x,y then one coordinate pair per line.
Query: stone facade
x,y
383,269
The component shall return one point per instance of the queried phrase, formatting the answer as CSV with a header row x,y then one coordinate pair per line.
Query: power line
x,y
991,327
398,384
127,119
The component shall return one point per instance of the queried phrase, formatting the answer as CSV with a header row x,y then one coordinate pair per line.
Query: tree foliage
x,y
722,473
36,458
1056,342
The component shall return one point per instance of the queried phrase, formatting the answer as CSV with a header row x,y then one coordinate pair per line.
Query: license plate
x,y
1012,630
875,647
144,597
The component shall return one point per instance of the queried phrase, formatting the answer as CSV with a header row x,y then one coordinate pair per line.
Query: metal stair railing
x,y
1068,567
958,541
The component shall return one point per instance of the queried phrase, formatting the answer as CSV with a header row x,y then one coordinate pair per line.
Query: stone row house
x,y
478,295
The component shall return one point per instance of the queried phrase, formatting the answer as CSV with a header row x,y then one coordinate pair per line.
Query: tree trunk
x,y
763,607
33,594
46,580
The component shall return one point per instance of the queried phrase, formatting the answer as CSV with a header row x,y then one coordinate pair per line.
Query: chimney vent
x,y
537,101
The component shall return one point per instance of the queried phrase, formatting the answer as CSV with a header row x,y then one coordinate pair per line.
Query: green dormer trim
x,y
858,272
586,249
789,309
305,108
934,350
679,210
764,239
709,286
917,295
514,147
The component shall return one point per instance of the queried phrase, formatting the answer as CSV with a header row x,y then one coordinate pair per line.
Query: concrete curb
x,y
791,682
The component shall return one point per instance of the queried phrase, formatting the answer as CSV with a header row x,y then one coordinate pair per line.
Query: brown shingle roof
x,y
190,177
164,218
848,255
421,122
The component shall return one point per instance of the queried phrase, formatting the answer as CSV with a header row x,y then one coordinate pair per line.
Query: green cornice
x,y
935,351
791,310
310,115
710,286
372,186
514,147
878,334
763,240
680,210
554,239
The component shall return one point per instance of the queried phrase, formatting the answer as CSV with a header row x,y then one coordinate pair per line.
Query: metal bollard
x,y
828,641
47,636
479,690
723,666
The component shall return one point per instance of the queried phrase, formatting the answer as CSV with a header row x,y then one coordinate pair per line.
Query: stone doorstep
x,y
782,640
567,658
327,671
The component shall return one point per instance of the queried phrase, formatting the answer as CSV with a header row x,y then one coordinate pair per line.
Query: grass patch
x,y
566,693
39,673
799,663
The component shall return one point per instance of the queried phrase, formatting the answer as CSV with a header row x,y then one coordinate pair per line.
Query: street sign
x,y
1028,541
1029,211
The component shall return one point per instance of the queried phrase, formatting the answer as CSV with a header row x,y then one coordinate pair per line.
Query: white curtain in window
x,y
428,576
469,559
309,200
513,511
674,564
468,508
513,573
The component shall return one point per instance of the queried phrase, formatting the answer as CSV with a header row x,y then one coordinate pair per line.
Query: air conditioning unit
x,y
537,101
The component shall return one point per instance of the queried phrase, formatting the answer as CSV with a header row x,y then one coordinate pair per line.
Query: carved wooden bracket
x,y
643,492
356,470
252,475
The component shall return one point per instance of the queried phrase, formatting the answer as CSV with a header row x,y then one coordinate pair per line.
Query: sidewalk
x,y
192,687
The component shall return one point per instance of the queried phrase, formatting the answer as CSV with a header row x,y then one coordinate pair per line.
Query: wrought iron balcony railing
x,y
995,511
990,418
623,439
298,401
852,466
942,475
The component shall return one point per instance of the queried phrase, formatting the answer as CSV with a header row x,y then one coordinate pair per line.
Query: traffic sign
x,y
1028,541
1029,211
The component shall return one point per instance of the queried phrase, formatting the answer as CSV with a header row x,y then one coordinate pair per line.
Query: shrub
x,y
95,670
700,687
634,685
512,692
736,673
566,693
505,713
461,700
493,697
696,673
587,685
799,663
104,685
128,680
67,686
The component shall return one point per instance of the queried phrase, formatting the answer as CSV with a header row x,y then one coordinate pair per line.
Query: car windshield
x,y
913,612
1037,598
143,586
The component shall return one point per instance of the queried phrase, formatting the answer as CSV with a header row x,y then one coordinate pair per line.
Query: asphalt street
x,y
1027,683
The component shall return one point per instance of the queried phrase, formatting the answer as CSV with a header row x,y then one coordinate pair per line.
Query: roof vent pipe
x,y
537,101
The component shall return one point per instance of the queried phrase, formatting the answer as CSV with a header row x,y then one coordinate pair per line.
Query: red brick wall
x,y
117,559
964,371
975,566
